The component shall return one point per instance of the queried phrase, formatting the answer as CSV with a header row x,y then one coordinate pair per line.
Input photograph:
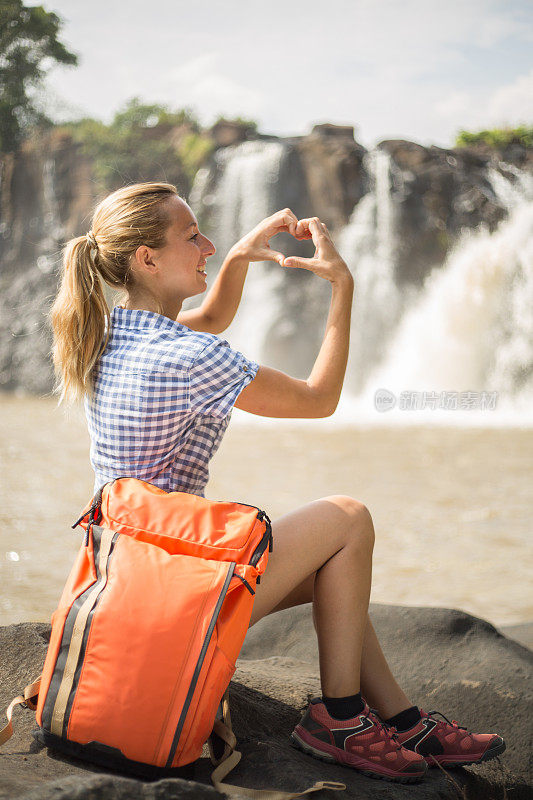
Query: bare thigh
x,y
304,540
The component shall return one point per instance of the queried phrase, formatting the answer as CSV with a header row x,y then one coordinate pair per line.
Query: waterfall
x,y
367,244
471,328
52,225
244,194
466,327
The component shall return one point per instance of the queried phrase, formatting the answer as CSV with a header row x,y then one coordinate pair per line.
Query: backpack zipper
x,y
267,536
95,516
265,539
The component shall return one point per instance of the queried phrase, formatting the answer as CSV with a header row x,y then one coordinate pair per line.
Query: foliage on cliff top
x,y
28,48
144,142
249,124
497,137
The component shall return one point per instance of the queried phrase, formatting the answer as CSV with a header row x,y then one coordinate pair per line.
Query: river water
x,y
451,505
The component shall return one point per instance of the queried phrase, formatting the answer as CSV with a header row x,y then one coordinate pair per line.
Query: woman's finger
x,y
311,225
302,263
284,220
293,222
302,231
318,232
267,254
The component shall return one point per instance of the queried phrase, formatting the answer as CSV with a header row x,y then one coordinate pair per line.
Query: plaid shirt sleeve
x,y
217,377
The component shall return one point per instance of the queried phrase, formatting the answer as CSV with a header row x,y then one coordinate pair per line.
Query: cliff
x,y
422,200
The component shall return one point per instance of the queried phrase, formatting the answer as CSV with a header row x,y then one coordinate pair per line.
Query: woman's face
x,y
178,269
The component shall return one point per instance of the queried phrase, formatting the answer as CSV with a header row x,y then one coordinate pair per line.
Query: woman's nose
x,y
209,248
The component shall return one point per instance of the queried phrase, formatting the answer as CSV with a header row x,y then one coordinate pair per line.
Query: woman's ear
x,y
143,257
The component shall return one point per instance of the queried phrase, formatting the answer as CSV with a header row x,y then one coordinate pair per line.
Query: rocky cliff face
x,y
46,197
412,202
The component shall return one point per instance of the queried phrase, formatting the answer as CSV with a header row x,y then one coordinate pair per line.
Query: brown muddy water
x,y
451,506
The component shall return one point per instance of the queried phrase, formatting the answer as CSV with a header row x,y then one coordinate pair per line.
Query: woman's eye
x,y
194,237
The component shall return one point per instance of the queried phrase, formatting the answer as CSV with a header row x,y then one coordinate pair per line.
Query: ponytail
x,y
132,216
78,317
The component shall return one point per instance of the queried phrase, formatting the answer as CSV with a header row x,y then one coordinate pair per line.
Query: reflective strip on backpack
x,y
77,628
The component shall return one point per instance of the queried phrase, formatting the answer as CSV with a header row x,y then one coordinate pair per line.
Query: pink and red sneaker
x,y
448,743
362,742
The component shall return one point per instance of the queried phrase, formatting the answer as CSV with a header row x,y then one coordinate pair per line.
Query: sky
x,y
394,69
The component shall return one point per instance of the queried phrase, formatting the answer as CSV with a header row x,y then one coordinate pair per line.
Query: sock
x,y
405,719
344,707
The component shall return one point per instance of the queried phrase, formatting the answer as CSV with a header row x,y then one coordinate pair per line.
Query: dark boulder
x,y
445,659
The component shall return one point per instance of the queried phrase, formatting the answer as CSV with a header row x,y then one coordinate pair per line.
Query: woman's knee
x,y
359,524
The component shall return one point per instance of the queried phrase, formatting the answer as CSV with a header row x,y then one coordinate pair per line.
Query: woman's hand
x,y
273,393
326,262
255,245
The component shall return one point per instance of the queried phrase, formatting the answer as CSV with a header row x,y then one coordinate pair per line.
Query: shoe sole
x,y
492,752
313,751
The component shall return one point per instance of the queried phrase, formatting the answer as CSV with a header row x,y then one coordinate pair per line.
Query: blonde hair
x,y
132,216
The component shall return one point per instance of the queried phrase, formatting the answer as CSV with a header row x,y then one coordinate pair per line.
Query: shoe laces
x,y
452,722
389,730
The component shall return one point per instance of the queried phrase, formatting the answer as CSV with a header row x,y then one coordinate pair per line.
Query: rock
x,y
339,131
228,132
445,659
105,787
334,177
521,633
437,194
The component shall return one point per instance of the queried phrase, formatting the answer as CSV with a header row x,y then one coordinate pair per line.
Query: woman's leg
x,y
331,539
377,683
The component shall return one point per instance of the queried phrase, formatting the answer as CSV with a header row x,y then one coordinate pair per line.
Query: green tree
x,y
28,48
144,142
142,115
497,137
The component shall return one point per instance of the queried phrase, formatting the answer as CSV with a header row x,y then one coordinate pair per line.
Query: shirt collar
x,y
141,319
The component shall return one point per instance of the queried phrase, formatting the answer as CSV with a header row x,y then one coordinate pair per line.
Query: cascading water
x,y
367,244
471,327
246,176
467,327
52,224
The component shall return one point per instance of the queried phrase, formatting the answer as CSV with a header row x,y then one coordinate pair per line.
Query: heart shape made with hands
x,y
283,222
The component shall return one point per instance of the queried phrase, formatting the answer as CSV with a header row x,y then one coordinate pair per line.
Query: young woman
x,y
159,386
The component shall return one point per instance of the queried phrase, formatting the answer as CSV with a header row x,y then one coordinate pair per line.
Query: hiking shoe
x,y
362,742
448,743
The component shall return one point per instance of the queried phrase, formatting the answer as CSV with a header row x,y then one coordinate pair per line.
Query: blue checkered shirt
x,y
163,397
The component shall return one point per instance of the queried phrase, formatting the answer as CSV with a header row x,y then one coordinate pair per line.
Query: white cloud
x,y
385,67
512,103
508,105
194,69
454,105
202,84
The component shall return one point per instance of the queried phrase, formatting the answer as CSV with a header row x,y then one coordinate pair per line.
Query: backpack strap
x,y
231,757
225,762
27,700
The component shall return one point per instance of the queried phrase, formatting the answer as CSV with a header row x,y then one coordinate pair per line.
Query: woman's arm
x,y
273,393
222,301
220,305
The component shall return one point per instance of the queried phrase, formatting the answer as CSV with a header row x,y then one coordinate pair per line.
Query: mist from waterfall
x,y
468,328
471,327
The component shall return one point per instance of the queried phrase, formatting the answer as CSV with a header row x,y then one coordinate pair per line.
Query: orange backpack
x,y
147,631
